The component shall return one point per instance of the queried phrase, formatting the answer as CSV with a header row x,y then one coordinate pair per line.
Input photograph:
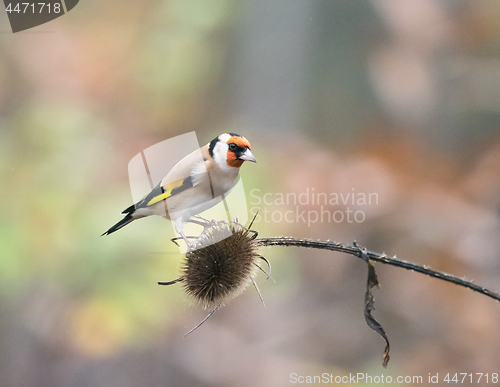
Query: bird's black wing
x,y
160,193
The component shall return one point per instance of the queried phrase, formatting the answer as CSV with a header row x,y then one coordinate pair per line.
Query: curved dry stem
x,y
356,251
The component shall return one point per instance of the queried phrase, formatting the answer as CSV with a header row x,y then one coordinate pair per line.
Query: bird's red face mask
x,y
238,151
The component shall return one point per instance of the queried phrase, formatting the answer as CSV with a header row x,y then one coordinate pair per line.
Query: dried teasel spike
x,y
251,223
174,240
258,291
268,265
268,273
205,319
262,270
171,282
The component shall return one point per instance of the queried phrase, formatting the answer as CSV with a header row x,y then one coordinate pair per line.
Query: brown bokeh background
x,y
397,98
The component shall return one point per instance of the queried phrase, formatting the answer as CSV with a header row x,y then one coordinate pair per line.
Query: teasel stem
x,y
377,257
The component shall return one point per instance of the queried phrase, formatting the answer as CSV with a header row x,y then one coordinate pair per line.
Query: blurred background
x,y
397,98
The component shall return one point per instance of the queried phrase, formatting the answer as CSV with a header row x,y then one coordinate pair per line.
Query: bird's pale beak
x,y
247,156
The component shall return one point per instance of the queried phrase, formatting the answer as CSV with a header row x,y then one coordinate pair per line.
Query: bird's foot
x,y
201,219
191,245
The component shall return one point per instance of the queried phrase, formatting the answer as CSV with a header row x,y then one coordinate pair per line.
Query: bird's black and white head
x,y
230,150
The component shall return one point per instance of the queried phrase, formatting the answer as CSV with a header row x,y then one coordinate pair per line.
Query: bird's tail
x,y
122,223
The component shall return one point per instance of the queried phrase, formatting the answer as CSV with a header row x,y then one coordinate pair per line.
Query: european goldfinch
x,y
194,184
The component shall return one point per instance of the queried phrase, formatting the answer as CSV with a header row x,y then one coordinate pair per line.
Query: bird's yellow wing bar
x,y
170,190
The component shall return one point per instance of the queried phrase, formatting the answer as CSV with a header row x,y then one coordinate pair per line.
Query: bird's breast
x,y
222,181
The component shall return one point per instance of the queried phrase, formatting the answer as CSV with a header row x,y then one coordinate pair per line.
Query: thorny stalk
x,y
383,258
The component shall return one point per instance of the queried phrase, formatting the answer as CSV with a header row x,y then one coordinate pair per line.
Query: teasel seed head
x,y
216,272
222,264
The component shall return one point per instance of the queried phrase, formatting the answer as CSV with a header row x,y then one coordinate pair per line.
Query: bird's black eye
x,y
233,146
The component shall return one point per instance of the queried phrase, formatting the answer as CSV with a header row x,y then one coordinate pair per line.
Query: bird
x,y
195,184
